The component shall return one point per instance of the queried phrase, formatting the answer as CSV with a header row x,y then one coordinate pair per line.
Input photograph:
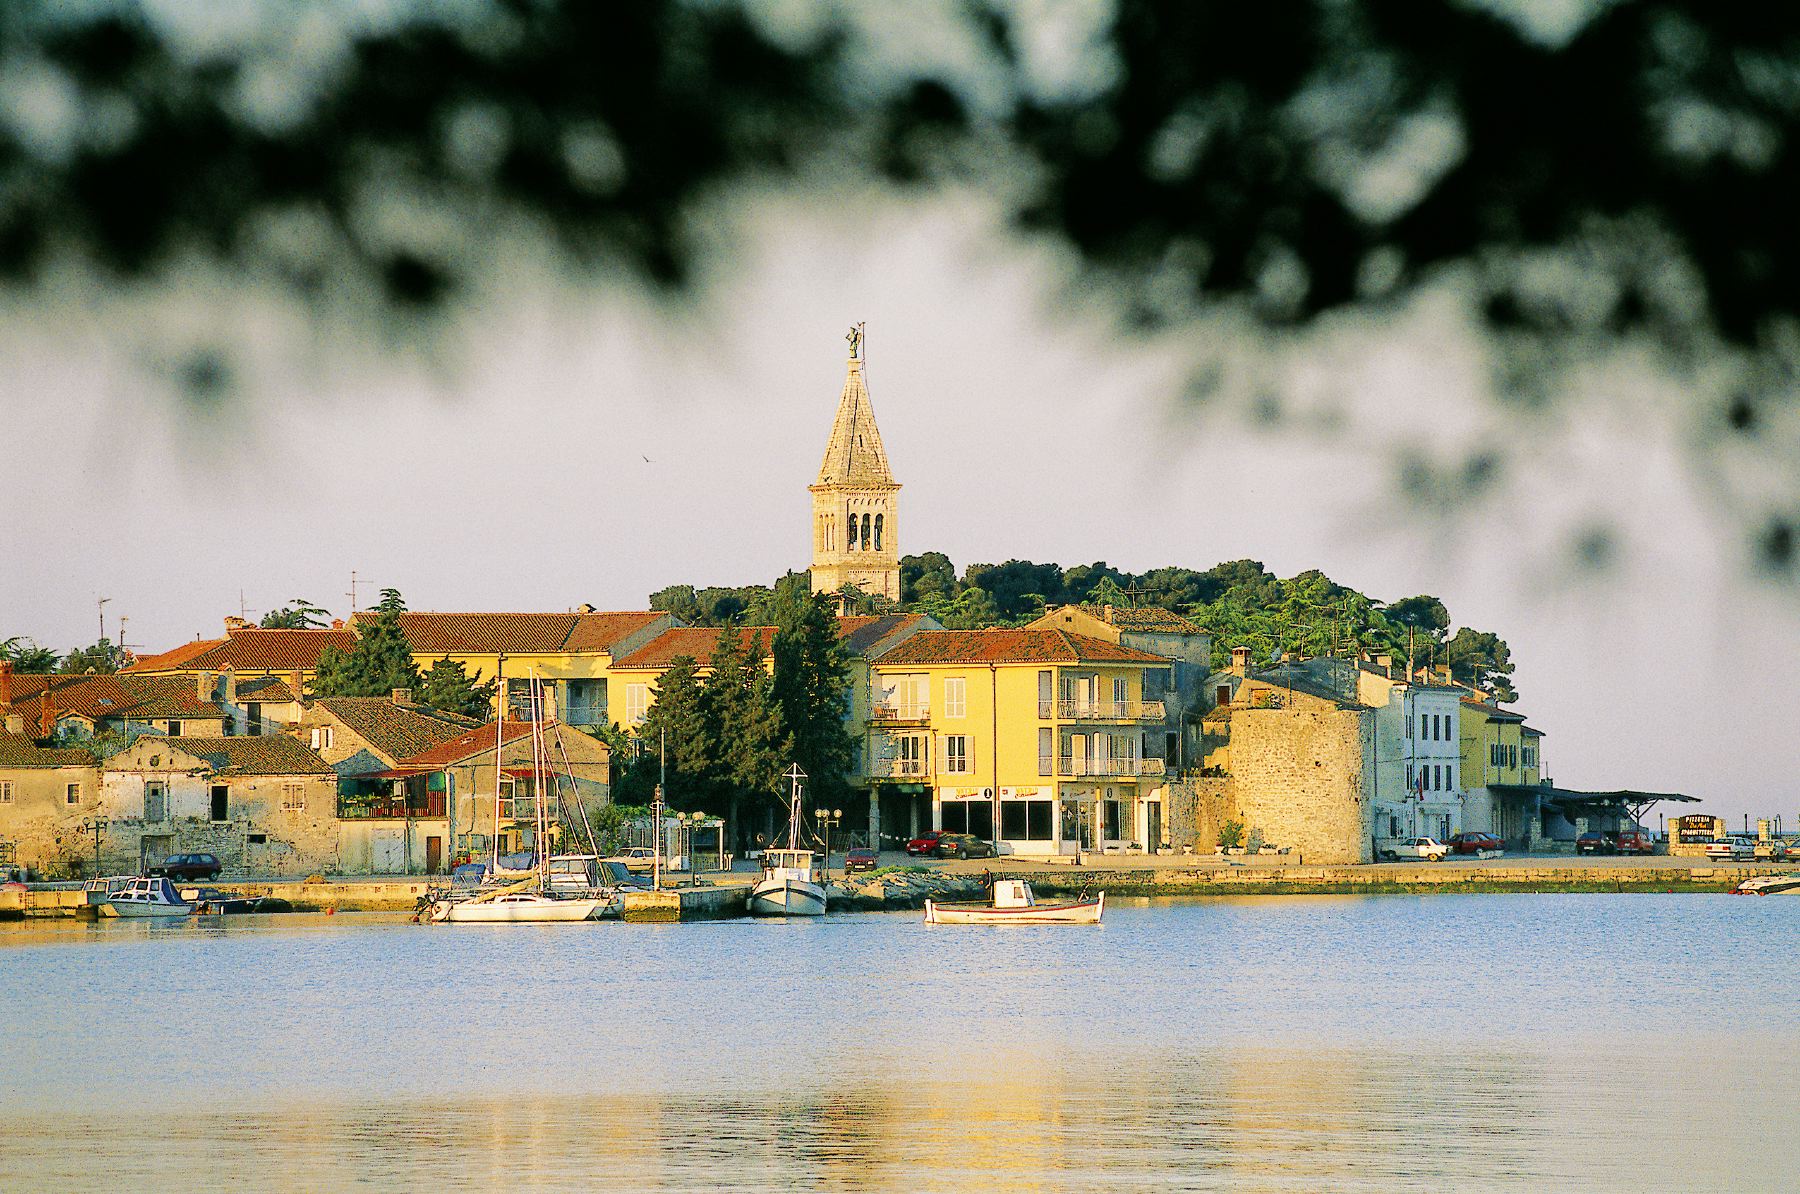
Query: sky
x,y
569,442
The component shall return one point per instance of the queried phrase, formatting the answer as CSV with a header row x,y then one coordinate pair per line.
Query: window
x,y
293,798
321,738
866,540
1223,695
1045,691
1013,819
1393,824
1409,725
637,703
174,728
1121,695
909,754
253,721
878,532
1040,820
156,800
72,794
1046,751
956,697
956,754
5,791
955,816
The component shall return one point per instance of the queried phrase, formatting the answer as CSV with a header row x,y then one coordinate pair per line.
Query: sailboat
x,y
533,899
787,887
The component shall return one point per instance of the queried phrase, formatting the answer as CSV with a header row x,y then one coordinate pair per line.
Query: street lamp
x,y
828,817
690,823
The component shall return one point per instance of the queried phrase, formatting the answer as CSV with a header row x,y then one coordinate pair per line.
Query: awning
x,y
400,773
1572,802
528,772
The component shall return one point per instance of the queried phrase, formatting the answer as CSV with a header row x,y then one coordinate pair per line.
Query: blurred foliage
x,y
1598,175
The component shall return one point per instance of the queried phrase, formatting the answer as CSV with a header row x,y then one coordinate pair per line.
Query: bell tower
x,y
856,527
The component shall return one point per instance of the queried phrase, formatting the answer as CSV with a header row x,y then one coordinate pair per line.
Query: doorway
x,y
434,855
1153,826
221,802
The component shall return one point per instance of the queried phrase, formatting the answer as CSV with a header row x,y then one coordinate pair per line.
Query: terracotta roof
x,y
854,455
267,754
471,742
396,730
272,690
16,750
1301,682
250,649
1494,712
1532,730
1149,618
1012,646
861,634
98,696
696,642
521,633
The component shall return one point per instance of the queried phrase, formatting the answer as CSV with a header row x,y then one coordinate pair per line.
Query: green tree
x,y
1481,660
379,662
812,688
298,614
745,718
27,657
679,718
448,686
102,657
924,576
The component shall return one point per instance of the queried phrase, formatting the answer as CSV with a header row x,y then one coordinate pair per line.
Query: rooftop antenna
x,y
352,593
243,607
101,606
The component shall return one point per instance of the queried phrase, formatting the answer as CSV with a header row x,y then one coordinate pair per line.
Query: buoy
x,y
331,912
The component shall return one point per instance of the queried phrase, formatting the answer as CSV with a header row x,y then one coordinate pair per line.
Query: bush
x,y
1231,834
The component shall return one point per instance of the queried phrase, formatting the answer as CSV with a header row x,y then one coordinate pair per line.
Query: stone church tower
x,y
855,525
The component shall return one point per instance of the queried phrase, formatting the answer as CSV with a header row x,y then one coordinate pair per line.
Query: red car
x,y
1475,843
1635,841
925,843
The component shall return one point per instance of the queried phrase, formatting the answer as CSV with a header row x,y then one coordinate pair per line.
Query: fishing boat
x,y
145,897
1788,884
1014,903
787,886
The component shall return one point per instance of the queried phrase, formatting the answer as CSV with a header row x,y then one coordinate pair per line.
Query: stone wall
x,y
1298,778
1193,810
42,828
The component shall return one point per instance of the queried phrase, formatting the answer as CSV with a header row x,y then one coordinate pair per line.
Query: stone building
x,y
856,531
46,796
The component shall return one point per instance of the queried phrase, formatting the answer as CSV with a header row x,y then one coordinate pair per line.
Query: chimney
x,y
233,624
337,623
297,682
229,677
1386,664
1240,661
403,696
15,724
5,683
203,685
47,716
1107,612
1442,673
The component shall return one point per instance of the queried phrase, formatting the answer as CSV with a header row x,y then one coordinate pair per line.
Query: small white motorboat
x,y
1788,884
145,897
515,907
787,887
1014,903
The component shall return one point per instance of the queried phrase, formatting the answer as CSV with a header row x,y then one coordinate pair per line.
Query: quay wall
x,y
1382,880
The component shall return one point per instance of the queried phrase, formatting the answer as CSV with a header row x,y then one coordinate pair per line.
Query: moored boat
x,y
1788,884
786,887
1014,903
145,897
516,907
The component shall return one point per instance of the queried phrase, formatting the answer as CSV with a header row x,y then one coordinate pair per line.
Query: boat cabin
x,y
788,860
1013,893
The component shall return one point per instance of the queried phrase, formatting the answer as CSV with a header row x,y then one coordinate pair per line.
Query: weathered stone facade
x,y
1300,778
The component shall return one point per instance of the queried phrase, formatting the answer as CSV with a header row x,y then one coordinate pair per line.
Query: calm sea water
x,y
1469,1042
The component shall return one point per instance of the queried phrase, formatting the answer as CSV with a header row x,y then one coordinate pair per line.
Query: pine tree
x,y
380,662
448,686
679,718
811,686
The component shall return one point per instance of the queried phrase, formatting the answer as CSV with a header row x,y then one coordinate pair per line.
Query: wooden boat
x,y
787,887
146,897
1788,884
1014,903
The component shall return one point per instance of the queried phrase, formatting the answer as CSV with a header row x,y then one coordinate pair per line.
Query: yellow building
x,y
1039,739
856,530
1502,767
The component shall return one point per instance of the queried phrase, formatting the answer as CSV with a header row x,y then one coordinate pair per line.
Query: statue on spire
x,y
855,337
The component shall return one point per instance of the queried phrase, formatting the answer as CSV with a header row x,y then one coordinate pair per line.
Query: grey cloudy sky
x,y
504,470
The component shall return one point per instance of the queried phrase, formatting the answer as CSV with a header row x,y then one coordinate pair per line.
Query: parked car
x,y
1730,847
1426,847
859,858
1475,842
963,845
640,860
188,867
1634,841
1594,842
925,843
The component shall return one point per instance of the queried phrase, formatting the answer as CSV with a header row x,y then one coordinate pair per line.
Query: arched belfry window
x,y
878,532
850,543
865,538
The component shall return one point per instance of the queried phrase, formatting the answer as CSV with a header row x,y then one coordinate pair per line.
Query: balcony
x,y
584,713
900,712
1106,710
389,808
904,769
1110,768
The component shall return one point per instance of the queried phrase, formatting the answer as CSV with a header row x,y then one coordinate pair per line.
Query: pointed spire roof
x,y
855,455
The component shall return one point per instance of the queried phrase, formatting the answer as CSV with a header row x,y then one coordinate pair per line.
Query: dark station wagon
x,y
190,867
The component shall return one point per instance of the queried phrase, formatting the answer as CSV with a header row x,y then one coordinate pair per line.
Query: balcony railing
x,y
389,809
1113,768
1079,710
584,713
899,768
897,711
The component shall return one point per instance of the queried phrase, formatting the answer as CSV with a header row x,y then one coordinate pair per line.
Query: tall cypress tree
x,y
811,685
680,718
448,687
753,746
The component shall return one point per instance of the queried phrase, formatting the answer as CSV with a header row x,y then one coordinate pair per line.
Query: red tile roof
x,y
270,690
250,649
97,696
863,634
518,633
696,642
1012,646
473,742
1148,617
16,750
397,731
270,754
1492,711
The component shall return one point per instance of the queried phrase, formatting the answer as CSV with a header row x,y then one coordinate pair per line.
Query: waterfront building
x,y
203,704
1418,788
47,795
855,499
1499,762
1038,738
633,677
263,804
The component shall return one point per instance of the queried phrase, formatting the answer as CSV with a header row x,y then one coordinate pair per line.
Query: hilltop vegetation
x,y
1241,602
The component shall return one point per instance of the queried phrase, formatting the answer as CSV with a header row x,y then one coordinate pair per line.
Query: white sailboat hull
x,y
781,895
134,910
1084,912
514,910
